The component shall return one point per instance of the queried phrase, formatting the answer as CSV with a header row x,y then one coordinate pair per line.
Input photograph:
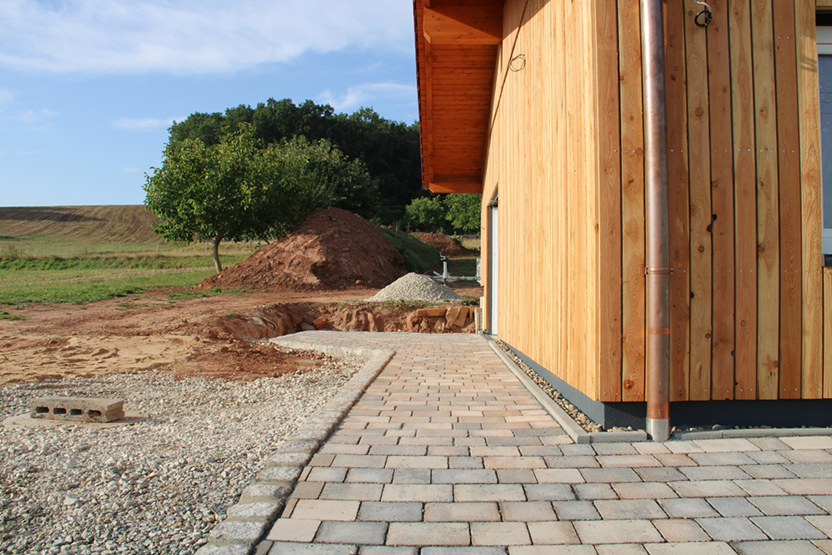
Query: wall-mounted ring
x,y
520,60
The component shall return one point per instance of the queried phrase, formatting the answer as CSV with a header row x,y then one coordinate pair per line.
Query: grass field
x,y
89,253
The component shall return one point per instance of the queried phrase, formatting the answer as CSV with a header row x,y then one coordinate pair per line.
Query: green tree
x,y
464,211
232,191
426,214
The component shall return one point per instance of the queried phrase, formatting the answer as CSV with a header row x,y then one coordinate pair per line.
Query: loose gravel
x,y
415,287
157,486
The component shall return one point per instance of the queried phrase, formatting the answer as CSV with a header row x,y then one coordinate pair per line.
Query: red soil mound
x,y
331,249
443,244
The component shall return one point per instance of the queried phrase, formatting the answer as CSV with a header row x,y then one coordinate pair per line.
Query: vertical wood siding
x,y
566,156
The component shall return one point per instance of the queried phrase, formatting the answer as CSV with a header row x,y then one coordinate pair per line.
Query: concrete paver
x,y
447,453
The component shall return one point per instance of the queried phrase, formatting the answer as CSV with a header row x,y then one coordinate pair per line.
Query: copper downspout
x,y
657,263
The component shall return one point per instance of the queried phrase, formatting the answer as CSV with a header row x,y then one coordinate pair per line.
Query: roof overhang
x,y
456,52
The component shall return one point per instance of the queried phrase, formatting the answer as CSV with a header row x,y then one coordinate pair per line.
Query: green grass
x,y
82,280
418,257
6,316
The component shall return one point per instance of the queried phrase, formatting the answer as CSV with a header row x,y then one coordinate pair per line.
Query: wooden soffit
x,y
456,50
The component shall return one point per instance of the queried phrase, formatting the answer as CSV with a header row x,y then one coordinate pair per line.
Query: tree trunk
x,y
216,253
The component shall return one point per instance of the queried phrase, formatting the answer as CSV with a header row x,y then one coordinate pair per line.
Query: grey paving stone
x,y
767,470
527,511
687,508
759,487
461,512
577,449
479,550
769,443
810,470
370,475
260,511
231,530
516,476
291,548
500,533
616,531
465,462
411,476
824,545
650,490
621,549
403,511
768,457
548,492
722,459
708,488
786,506
464,476
701,473
822,523
590,492
702,548
629,509
788,528
609,475
358,533
806,486
428,533
731,529
234,549
777,548
822,501
552,533
814,456
488,492
660,474
615,449
576,461
576,510
265,492
681,530
351,491
279,473
628,461
734,506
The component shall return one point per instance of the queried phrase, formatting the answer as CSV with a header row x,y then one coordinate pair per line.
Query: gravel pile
x,y
157,486
415,287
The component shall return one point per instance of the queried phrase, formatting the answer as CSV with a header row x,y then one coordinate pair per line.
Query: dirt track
x,y
191,337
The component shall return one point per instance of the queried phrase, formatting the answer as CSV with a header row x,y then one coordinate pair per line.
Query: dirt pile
x,y
443,244
331,249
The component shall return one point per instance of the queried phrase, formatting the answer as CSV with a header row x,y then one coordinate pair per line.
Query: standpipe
x,y
657,263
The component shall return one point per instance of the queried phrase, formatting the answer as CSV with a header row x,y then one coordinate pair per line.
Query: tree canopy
x,y
461,212
237,189
388,149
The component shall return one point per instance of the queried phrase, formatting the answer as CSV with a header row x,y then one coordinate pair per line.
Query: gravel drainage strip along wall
x,y
262,501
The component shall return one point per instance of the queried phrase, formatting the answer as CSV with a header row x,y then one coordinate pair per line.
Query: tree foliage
x,y
238,190
464,212
388,149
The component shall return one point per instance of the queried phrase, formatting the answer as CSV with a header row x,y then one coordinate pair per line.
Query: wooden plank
x,y
632,200
810,188
824,3
745,221
678,201
788,163
722,202
768,238
464,25
609,163
827,333
700,208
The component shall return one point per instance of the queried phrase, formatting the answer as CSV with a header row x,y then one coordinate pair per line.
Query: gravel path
x,y
157,486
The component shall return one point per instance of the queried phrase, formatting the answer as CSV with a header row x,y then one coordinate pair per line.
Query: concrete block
x,y
357,533
77,409
260,511
231,530
233,549
788,528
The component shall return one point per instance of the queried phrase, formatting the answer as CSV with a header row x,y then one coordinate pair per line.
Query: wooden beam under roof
x,y
456,49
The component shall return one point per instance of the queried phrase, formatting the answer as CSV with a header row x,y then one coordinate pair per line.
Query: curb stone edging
x,y
263,500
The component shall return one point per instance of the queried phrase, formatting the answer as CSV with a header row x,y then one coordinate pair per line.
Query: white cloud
x,y
364,95
144,124
190,36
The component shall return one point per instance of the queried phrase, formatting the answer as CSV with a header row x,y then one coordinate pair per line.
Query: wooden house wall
x,y
566,158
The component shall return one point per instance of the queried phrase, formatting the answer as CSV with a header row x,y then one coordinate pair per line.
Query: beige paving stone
x,y
370,475
723,459
321,459
516,476
731,529
806,486
610,475
808,442
681,530
576,510
499,533
687,508
390,512
824,545
293,530
675,460
726,445
651,448
590,492
528,511
488,492
359,461
702,473
514,462
394,461
759,487
428,533
343,449
315,509
464,476
417,492
307,490
660,474
620,549
549,492
768,443
502,451
617,531
552,533
807,456
352,533
326,474
789,527
683,447
768,471
411,476
576,461
627,461
461,512
356,492
822,523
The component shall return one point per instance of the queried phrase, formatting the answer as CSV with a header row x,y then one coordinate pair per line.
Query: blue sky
x,y
88,88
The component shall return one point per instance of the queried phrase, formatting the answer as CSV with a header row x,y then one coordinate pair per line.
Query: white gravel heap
x,y
415,287
155,487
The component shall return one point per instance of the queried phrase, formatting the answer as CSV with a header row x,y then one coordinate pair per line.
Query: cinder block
x,y
78,409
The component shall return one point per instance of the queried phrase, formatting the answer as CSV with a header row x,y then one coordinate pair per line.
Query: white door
x,y
493,267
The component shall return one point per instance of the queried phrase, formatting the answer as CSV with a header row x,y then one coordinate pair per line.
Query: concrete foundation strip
x,y
262,502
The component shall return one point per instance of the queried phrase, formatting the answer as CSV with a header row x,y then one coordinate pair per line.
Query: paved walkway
x,y
446,453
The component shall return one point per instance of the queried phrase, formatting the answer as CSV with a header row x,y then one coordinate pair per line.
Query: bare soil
x,y
209,336
444,244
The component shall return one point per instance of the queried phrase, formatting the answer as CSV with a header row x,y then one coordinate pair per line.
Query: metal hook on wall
x,y
517,63
704,18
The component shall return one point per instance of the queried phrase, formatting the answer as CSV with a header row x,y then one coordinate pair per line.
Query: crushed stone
x,y
415,287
